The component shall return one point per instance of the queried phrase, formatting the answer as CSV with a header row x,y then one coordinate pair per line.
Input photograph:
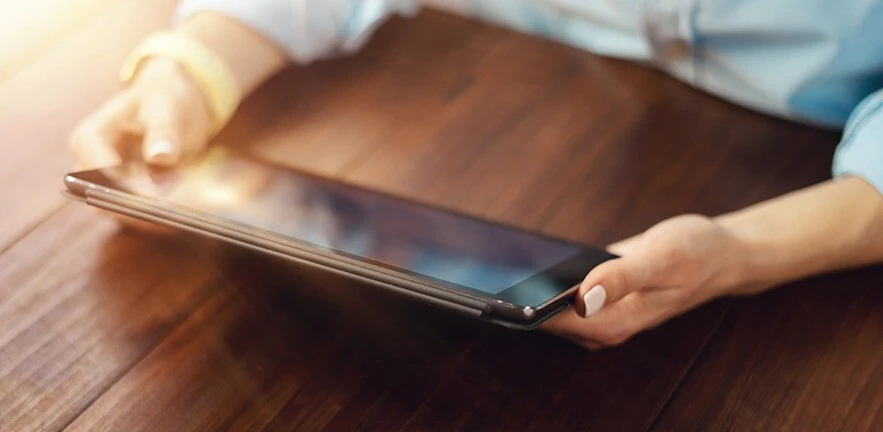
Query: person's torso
x,y
813,60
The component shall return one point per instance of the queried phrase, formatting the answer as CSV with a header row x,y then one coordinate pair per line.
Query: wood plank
x,y
509,124
690,158
804,357
68,329
282,349
29,29
268,349
40,106
328,117
80,305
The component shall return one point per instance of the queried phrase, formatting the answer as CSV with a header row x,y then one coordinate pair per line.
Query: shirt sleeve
x,y
860,151
307,29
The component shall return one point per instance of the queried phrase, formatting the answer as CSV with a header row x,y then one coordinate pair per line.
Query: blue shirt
x,y
814,61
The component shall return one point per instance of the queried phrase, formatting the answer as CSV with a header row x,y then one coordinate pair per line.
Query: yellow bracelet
x,y
211,74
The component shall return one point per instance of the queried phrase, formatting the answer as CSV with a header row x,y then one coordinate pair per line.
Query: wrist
x,y
251,58
198,62
832,226
768,253
746,266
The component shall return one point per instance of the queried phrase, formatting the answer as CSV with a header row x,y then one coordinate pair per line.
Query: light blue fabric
x,y
861,150
813,61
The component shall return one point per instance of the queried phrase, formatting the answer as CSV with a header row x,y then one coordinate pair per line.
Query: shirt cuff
x,y
306,29
860,152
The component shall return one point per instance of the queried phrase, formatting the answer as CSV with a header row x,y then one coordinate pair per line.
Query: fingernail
x,y
161,150
594,299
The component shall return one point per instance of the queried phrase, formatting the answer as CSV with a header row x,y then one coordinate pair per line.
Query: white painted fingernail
x,y
594,299
160,149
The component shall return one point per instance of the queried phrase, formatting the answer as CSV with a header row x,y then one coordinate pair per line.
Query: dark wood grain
x,y
278,348
79,306
805,357
66,334
108,330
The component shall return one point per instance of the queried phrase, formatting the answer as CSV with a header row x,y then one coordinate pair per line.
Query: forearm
x,y
258,37
831,226
250,56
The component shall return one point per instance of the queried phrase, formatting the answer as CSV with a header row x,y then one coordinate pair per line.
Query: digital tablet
x,y
490,271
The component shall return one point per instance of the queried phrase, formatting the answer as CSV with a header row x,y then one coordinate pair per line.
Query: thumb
x,y
611,281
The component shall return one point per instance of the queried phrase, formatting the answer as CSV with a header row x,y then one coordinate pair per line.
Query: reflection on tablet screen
x,y
341,218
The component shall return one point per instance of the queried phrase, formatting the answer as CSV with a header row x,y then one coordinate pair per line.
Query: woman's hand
x,y
672,267
161,118
163,115
688,260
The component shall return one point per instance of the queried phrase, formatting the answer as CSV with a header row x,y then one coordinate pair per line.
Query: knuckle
x,y
75,140
666,253
79,141
672,255
692,217
615,280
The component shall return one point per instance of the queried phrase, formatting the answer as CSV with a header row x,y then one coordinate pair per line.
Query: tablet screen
x,y
443,246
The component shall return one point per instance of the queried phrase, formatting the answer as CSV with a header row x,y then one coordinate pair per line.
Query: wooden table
x,y
109,330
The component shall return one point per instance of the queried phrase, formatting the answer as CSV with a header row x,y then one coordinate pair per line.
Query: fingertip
x,y
163,153
593,300
600,287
